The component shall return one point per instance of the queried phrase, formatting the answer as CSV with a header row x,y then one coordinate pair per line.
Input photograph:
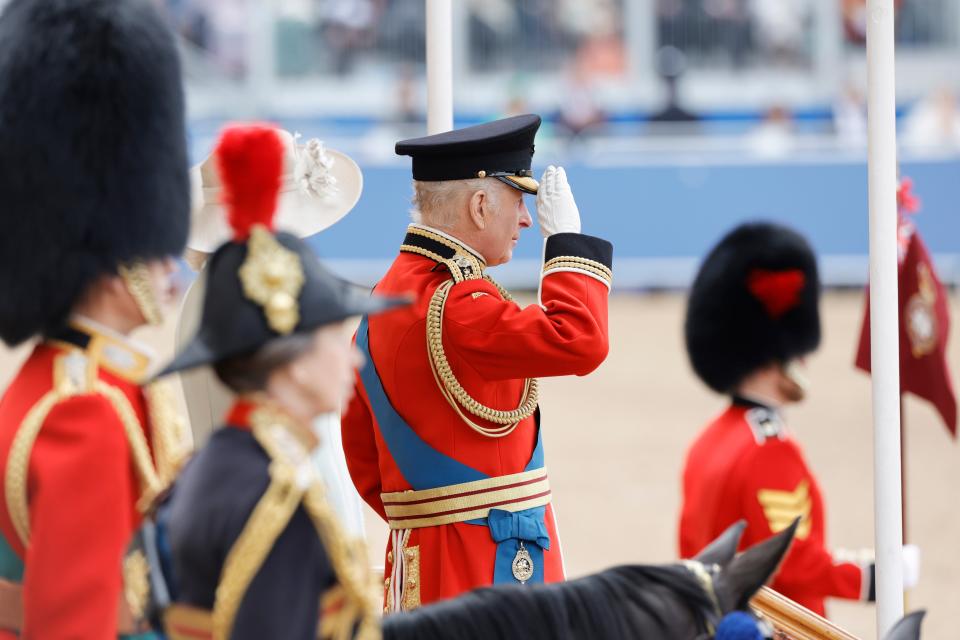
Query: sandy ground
x,y
616,439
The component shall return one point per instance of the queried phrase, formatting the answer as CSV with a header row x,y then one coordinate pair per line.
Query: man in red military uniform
x,y
95,199
443,438
752,316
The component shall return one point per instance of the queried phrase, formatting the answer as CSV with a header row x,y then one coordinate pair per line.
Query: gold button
x,y
389,556
412,582
409,554
386,583
481,174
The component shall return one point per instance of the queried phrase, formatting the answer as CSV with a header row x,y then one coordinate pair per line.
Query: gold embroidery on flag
x,y
920,316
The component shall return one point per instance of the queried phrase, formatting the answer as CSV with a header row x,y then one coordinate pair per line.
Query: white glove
x,y
911,566
557,212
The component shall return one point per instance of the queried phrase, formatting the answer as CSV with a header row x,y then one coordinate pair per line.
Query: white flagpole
x,y
884,311
439,66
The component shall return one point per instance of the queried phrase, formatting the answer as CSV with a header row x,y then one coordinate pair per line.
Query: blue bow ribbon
x,y
508,530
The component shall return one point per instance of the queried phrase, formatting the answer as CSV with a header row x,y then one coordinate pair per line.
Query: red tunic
x,y
745,465
492,346
82,492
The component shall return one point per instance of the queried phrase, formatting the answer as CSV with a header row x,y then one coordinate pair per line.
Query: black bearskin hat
x,y
754,302
92,150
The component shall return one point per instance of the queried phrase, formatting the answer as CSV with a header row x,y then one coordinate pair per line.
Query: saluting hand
x,y
557,211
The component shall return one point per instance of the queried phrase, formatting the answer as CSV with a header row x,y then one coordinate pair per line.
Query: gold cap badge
x,y
272,277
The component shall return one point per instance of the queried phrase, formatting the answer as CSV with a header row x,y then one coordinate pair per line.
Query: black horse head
x,y
740,577
684,601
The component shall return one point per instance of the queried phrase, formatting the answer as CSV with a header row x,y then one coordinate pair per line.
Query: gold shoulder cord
x,y
451,388
151,486
246,556
19,456
15,486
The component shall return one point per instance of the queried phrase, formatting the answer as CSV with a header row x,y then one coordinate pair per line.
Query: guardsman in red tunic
x,y
95,196
443,438
752,316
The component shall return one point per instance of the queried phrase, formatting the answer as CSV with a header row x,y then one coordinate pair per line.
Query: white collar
x,y
113,334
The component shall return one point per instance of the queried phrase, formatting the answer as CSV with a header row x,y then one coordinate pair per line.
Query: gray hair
x,y
249,372
437,203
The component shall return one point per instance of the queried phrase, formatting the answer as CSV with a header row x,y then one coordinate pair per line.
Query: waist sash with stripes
x,y
467,501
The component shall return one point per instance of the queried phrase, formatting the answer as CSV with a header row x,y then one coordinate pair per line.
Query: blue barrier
x,y
663,218
663,214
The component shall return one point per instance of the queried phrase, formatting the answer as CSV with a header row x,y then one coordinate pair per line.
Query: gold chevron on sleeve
x,y
782,507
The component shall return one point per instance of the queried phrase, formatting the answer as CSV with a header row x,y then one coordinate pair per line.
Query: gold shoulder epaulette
x,y
464,267
74,372
765,424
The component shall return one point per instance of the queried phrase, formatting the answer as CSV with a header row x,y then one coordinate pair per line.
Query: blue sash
x,y
423,467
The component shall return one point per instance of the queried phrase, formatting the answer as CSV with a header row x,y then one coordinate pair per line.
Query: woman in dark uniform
x,y
253,545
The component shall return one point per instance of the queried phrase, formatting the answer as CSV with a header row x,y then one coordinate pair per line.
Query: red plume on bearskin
x,y
250,162
755,300
777,291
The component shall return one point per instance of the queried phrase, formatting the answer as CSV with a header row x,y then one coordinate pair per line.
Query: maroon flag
x,y
924,324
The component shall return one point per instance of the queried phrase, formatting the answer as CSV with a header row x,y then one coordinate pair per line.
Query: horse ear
x,y
908,628
724,547
751,569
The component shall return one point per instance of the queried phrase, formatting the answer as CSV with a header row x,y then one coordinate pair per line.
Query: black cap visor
x,y
523,183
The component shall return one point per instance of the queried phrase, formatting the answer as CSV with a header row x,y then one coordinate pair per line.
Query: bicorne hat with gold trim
x,y
754,302
502,149
93,160
263,284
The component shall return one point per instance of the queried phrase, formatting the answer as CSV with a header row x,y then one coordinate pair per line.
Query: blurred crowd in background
x,y
590,56
337,36
770,72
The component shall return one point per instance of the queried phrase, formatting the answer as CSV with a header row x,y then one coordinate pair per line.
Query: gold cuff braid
x,y
577,263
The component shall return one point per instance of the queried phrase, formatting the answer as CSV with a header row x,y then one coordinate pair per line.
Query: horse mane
x,y
621,602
